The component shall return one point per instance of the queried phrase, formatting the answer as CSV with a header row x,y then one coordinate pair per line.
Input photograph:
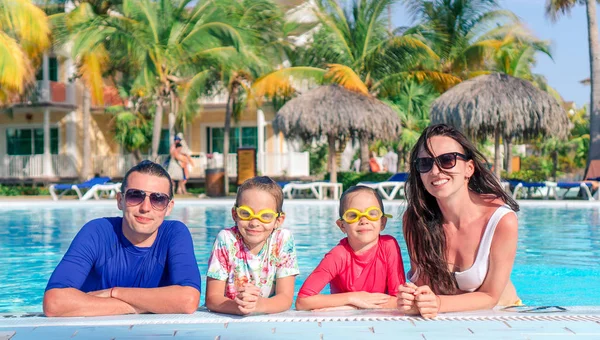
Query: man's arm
x,y
73,302
163,300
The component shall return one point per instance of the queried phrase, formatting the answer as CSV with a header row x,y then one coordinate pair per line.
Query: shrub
x,y
350,178
21,190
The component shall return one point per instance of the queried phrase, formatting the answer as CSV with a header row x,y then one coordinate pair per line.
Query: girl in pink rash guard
x,y
365,269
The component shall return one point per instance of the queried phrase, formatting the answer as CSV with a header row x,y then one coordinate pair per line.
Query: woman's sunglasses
x,y
445,161
245,213
158,200
371,213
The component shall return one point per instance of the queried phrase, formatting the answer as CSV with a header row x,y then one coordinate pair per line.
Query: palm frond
x,y
346,77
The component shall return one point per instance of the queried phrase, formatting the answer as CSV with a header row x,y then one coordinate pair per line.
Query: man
x,y
390,161
138,263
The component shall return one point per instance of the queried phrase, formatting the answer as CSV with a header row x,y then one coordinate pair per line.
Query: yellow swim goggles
x,y
371,213
245,213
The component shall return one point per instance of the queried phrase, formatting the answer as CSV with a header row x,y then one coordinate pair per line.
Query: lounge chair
x,y
391,187
584,187
544,189
87,185
315,189
108,190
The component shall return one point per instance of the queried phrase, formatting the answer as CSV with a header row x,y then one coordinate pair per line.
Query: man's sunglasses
x,y
158,200
445,161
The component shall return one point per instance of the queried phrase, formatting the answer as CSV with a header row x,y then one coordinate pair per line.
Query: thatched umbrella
x,y
501,105
337,113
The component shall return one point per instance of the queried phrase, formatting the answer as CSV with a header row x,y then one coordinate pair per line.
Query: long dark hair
x,y
423,218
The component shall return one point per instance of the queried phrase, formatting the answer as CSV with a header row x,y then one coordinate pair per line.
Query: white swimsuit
x,y
471,279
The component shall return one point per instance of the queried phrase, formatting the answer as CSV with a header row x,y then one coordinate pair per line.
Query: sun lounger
x,y
314,189
584,187
531,189
54,188
390,188
108,190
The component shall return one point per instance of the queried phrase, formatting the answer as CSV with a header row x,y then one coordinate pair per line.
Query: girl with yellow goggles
x,y
371,213
245,213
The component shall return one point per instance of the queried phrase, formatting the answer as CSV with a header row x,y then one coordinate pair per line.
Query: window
x,y
52,70
30,141
238,137
164,143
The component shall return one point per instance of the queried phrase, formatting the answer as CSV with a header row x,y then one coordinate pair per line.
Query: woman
x,y
460,228
174,167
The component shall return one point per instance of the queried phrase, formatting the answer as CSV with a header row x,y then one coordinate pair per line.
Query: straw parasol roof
x,y
331,109
515,106
337,113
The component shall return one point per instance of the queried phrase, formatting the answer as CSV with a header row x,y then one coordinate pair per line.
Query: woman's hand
x,y
427,302
406,298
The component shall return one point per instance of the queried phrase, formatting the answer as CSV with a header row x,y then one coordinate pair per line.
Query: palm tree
x,y
261,25
91,60
355,49
513,53
411,101
555,8
24,35
168,44
454,27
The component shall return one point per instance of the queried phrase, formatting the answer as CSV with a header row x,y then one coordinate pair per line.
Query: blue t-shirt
x,y
101,257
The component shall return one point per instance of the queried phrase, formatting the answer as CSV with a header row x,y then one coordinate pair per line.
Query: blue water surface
x,y
558,257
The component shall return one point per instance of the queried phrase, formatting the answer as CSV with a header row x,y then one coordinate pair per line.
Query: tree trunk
x,y
594,49
137,155
172,117
554,164
227,128
508,153
87,146
364,154
157,129
497,165
331,160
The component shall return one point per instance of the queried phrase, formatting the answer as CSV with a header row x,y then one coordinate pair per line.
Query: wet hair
x,y
264,183
148,168
355,189
422,222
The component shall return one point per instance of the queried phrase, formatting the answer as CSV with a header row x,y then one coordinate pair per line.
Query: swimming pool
x,y
558,257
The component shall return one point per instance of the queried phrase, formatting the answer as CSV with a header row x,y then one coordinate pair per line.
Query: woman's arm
x,y
502,257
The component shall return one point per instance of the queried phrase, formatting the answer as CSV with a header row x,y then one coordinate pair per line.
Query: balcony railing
x,y
52,92
32,166
295,164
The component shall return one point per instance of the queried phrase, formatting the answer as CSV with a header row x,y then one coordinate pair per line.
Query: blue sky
x,y
569,45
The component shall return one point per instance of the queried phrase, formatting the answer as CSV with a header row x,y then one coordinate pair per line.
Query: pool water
x,y
558,256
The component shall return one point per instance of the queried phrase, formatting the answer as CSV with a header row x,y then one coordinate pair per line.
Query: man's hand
x,y
367,300
247,299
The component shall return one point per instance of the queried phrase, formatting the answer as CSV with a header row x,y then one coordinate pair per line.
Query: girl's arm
x,y
363,300
502,257
216,300
282,301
